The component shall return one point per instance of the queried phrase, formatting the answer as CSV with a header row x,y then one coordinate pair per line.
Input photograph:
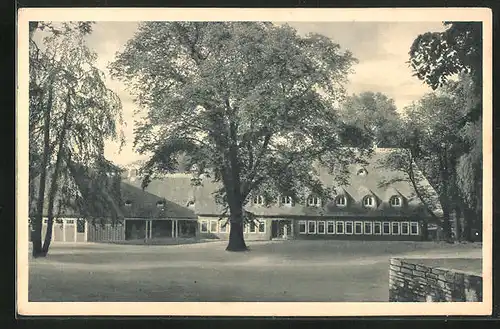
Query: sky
x,y
380,47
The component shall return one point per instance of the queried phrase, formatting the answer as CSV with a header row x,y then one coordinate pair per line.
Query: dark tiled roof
x,y
359,187
145,205
175,188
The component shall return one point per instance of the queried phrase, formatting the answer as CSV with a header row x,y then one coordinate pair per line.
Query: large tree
x,y
72,113
376,114
437,143
250,103
435,58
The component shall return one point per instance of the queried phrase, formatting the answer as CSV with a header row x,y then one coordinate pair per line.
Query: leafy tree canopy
x,y
250,103
376,114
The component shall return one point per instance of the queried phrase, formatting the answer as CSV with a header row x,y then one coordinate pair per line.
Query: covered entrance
x,y
138,229
281,229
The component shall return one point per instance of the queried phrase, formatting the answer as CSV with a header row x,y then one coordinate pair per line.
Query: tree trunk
x,y
55,178
236,239
446,225
37,221
458,219
469,224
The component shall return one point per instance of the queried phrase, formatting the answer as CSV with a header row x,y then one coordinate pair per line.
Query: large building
x,y
172,207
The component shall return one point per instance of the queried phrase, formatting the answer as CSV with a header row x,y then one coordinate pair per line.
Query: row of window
x,y
369,201
80,223
358,227
215,226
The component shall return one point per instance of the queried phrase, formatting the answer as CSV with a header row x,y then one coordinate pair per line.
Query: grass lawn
x,y
339,271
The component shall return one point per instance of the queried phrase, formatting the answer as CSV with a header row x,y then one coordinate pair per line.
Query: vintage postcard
x,y
254,162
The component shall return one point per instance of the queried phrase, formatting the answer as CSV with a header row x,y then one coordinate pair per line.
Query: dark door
x,y
274,229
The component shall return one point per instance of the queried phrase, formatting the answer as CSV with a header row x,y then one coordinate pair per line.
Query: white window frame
x,y
315,226
316,202
369,204
390,228
258,227
324,227
399,203
250,227
287,200
245,228
398,225
415,224
327,225
201,226
69,222
379,224
305,226
370,225
260,200
341,204
45,221
342,224
222,227
352,227
408,227
212,221
362,227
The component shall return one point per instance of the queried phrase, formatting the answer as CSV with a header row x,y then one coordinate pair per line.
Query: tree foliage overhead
x,y
72,114
376,115
435,56
250,103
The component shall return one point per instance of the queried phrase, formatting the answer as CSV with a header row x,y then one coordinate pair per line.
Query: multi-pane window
x,y
80,226
377,228
223,227
203,226
395,228
396,201
340,227
286,200
252,227
348,227
302,227
311,227
414,228
341,201
368,228
262,227
321,227
213,226
358,228
386,228
313,201
70,221
369,201
330,227
405,229
258,200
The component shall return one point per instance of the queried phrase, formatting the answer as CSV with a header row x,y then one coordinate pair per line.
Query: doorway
x,y
281,229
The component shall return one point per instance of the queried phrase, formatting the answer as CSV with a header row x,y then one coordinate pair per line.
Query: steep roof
x,y
147,205
359,186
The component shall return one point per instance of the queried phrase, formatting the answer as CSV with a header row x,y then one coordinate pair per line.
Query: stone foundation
x,y
410,281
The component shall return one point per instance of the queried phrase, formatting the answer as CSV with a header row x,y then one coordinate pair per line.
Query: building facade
x,y
376,204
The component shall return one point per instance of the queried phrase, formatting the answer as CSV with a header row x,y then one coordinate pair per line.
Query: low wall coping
x,y
412,260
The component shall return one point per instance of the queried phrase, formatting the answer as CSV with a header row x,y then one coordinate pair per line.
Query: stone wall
x,y
410,281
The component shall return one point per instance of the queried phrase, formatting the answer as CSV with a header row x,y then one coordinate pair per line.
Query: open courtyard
x,y
272,271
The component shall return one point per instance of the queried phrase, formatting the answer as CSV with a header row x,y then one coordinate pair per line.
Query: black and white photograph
x,y
302,162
